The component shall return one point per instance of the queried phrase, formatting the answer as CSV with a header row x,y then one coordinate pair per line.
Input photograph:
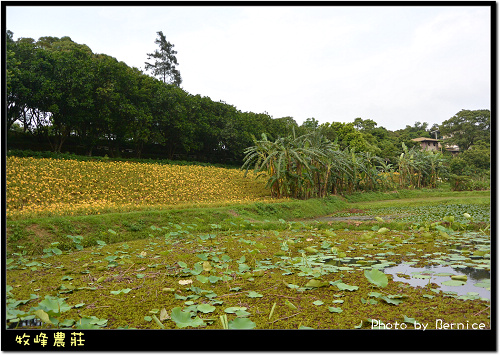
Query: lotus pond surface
x,y
301,276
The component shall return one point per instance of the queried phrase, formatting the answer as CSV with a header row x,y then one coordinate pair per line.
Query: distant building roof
x,y
422,139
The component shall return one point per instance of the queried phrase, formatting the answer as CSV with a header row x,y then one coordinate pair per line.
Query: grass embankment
x,y
35,234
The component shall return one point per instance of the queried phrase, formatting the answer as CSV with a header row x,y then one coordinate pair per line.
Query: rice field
x,y
66,187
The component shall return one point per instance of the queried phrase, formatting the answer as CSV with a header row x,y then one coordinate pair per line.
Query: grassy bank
x,y
35,234
32,235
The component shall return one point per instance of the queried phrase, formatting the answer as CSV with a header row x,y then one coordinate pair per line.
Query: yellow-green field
x,y
66,187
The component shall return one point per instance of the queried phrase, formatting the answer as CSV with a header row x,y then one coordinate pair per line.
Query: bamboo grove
x,y
310,165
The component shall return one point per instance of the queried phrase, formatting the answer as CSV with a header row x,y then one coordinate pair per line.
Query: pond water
x,y
26,323
421,276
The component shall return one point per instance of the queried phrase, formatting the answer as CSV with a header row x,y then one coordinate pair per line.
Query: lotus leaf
x,y
290,304
453,283
316,283
202,279
43,316
205,308
253,294
342,286
393,301
376,277
234,309
183,319
335,309
207,266
54,305
241,323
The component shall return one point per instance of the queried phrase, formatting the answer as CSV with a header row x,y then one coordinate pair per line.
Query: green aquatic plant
x,y
376,277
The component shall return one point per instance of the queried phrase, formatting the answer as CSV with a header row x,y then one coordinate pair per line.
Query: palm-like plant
x,y
312,166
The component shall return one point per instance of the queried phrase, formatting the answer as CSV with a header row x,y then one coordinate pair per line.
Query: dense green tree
x,y
71,79
466,128
280,127
347,136
28,83
364,125
477,156
165,61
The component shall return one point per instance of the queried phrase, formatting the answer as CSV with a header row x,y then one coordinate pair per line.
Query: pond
x,y
477,284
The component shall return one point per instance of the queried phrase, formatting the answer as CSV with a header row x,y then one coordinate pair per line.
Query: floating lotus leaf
x,y
311,250
290,304
376,277
163,314
202,279
183,319
205,308
241,323
394,301
450,219
453,283
342,286
335,309
316,283
420,276
253,294
480,252
125,290
213,279
485,283
242,313
234,309
54,305
44,317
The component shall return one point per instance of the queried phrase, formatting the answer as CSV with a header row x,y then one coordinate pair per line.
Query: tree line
x,y
60,91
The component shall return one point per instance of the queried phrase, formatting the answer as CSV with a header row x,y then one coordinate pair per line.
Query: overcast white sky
x,y
395,65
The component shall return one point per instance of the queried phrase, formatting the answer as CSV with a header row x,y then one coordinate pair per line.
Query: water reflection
x,y
26,323
473,276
